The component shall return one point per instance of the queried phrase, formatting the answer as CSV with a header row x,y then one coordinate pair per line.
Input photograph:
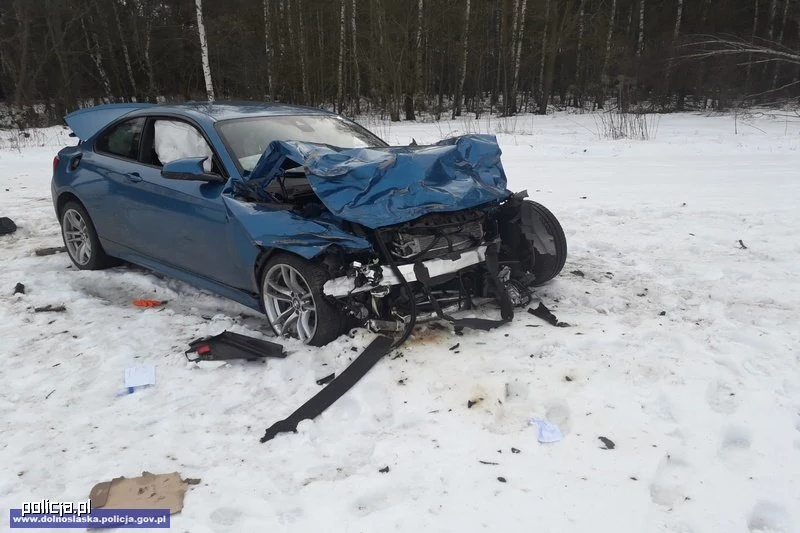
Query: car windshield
x,y
248,138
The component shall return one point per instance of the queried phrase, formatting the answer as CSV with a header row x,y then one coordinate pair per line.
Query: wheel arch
x,y
330,258
62,200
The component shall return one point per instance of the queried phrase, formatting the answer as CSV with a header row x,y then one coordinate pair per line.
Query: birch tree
x,y
340,73
94,51
201,31
268,49
281,18
544,55
303,53
518,52
356,73
581,16
463,71
640,45
418,88
125,53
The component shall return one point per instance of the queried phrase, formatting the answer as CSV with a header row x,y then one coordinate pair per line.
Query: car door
x,y
181,223
107,173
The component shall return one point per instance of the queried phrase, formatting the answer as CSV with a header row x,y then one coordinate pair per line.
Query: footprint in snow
x,y
734,450
769,517
675,527
722,397
669,482
558,412
371,502
290,516
659,407
225,516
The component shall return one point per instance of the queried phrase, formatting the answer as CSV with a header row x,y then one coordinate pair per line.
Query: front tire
x,y
533,241
292,298
81,240
550,260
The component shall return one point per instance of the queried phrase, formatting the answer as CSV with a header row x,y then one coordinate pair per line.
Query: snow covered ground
x,y
684,350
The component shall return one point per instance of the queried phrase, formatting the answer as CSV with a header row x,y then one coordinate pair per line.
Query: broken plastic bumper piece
x,y
385,277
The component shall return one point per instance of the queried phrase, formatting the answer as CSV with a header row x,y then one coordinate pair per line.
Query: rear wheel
x,y
291,293
81,240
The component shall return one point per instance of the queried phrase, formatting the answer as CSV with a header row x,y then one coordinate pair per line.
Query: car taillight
x,y
55,163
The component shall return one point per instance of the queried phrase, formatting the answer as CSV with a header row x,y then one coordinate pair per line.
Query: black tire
x,y
97,258
331,319
547,266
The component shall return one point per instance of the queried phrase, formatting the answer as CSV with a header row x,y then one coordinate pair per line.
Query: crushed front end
x,y
436,265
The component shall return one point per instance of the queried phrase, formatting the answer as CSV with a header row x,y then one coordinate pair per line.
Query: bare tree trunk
x,y
357,72
201,31
340,87
56,30
512,104
125,52
303,71
290,25
499,57
544,55
321,82
151,79
418,89
147,15
268,48
20,90
750,57
780,41
640,46
518,53
581,26
675,35
630,20
609,35
97,59
463,72
701,66
281,20
773,11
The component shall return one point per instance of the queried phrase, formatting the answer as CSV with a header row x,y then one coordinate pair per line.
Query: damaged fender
x,y
289,231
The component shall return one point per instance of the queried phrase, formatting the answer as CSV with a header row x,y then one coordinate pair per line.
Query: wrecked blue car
x,y
301,214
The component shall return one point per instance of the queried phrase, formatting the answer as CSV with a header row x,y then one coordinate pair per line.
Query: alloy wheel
x,y
288,302
76,237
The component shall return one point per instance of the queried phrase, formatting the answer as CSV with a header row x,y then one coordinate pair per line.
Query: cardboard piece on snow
x,y
148,491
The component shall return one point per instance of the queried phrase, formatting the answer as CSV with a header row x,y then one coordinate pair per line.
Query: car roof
x,y
230,110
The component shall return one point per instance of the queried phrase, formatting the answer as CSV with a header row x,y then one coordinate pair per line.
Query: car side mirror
x,y
190,168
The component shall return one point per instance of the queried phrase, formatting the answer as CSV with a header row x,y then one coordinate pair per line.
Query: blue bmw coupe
x,y
301,214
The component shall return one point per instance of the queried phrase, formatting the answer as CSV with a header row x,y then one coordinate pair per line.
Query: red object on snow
x,y
148,303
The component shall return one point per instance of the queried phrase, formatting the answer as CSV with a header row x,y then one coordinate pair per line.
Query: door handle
x,y
134,177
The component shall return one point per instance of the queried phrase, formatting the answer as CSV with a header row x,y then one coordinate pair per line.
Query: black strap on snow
x,y
506,307
379,347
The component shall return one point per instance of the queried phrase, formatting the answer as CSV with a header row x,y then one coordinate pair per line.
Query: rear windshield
x,y
248,138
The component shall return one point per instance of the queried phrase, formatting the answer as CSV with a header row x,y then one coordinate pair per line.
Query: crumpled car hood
x,y
379,187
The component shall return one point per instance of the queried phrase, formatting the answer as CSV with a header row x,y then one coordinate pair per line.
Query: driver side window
x,y
175,139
